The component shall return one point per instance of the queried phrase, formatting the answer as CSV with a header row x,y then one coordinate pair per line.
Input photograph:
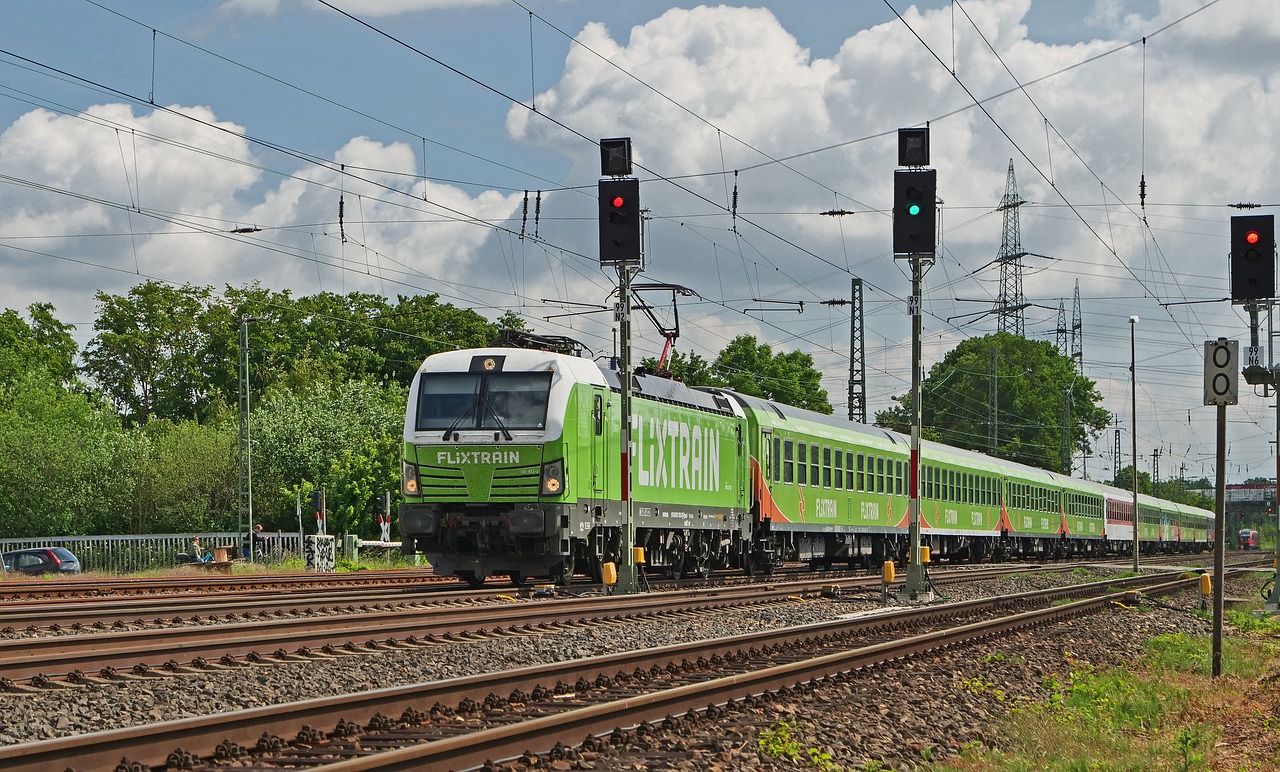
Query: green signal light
x,y
913,209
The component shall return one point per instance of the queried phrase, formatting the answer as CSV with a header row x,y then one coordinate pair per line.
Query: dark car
x,y
41,560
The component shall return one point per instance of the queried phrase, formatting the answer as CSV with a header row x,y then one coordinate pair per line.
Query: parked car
x,y
41,560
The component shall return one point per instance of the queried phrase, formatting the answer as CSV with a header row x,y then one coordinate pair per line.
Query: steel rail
x,y
513,740
152,744
46,657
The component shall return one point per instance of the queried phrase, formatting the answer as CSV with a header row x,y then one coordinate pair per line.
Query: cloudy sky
x,y
136,137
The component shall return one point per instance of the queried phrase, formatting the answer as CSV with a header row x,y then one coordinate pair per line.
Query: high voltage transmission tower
x,y
1077,332
1070,341
1011,303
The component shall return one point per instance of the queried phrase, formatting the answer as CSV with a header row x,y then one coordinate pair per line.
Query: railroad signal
x,y
913,147
615,157
1221,372
380,502
316,501
1253,264
914,212
620,222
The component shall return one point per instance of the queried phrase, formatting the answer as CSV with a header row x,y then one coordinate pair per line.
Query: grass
x,y
1166,713
782,741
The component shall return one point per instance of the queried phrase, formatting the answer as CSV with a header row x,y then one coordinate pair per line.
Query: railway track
x,y
169,640
461,724
230,600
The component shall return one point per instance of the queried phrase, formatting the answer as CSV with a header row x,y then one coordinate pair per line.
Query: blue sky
x,y
101,190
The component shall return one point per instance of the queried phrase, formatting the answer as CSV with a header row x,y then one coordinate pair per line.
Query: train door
x,y
766,453
601,458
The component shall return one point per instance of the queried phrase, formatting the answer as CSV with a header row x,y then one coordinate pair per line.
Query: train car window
x,y
597,415
802,463
879,475
862,475
813,465
787,466
768,457
928,482
777,459
826,467
839,469
968,487
901,478
848,470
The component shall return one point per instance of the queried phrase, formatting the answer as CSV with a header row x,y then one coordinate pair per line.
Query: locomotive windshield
x,y
498,401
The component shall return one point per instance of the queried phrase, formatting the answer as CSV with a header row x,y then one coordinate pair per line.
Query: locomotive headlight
x,y
408,478
553,478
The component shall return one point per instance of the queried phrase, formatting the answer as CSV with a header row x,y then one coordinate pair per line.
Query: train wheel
x,y
563,575
518,579
675,558
471,579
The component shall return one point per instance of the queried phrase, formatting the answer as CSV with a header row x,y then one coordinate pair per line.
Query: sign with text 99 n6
x,y
1221,372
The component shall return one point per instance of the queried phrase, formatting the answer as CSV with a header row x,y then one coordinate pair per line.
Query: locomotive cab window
x,y
452,401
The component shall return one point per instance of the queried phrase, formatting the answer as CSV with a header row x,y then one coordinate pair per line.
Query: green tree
x,y
146,354
751,367
60,461
692,370
1035,389
45,343
342,436
183,477
1124,480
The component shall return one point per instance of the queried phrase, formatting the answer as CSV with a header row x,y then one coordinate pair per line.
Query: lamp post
x,y
1133,393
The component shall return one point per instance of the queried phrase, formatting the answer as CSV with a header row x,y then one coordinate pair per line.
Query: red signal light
x,y
1251,237
618,202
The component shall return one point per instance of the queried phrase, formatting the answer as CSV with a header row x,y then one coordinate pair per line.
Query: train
x,y
512,467
1247,539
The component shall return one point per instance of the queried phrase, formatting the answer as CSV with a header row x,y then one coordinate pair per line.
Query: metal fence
x,y
123,554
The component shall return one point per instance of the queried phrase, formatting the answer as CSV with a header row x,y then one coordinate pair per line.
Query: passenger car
x,y
41,560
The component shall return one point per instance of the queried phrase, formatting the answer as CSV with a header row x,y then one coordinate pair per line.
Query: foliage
x,y
1033,385
146,353
175,352
340,436
43,344
692,370
780,741
750,367
60,460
